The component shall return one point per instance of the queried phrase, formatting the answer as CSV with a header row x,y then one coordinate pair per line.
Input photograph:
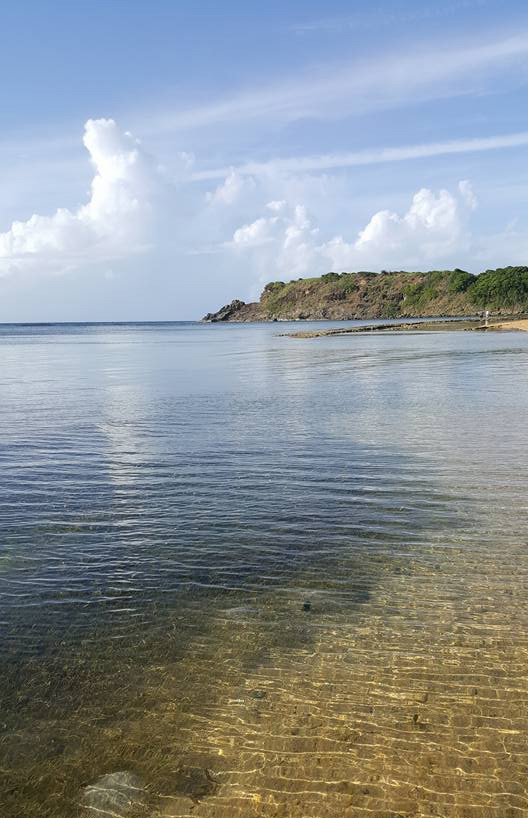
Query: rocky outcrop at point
x,y
226,313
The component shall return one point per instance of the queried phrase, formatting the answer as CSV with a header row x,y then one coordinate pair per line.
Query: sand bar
x,y
521,325
414,326
448,325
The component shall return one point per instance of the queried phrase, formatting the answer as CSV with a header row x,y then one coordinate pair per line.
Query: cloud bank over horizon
x,y
434,227
137,209
133,207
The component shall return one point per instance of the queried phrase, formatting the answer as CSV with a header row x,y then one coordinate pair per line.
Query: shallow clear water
x,y
266,576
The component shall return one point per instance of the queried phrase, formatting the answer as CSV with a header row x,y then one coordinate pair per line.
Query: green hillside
x,y
340,296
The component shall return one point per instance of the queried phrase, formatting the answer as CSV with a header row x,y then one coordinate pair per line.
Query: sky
x,y
158,160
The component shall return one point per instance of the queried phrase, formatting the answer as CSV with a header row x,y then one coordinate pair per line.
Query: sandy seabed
x,y
415,707
411,704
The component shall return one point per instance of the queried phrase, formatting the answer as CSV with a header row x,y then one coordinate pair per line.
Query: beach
x,y
520,325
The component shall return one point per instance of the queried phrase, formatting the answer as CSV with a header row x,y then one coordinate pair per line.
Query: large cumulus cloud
x,y
133,206
112,223
434,228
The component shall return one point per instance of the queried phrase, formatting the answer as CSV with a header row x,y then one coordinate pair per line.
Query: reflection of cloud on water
x,y
124,445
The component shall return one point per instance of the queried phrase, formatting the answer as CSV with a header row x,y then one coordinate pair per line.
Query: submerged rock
x,y
119,795
258,694
194,782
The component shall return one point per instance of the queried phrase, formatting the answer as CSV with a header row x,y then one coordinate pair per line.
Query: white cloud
x,y
284,242
276,205
114,221
234,186
434,228
132,206
468,195
253,235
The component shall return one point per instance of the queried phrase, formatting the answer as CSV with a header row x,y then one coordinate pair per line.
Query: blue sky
x,y
157,160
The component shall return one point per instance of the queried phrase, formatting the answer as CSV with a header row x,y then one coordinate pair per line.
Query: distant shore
x,y
368,296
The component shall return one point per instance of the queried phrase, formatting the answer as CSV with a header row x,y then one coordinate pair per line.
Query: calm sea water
x,y
261,575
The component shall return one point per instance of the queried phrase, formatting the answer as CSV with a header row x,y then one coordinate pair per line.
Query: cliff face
x,y
385,295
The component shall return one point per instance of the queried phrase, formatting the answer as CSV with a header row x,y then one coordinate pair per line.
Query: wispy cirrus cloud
x,y
339,89
378,17
330,90
329,161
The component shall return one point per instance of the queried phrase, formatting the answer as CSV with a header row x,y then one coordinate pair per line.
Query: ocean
x,y
255,575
